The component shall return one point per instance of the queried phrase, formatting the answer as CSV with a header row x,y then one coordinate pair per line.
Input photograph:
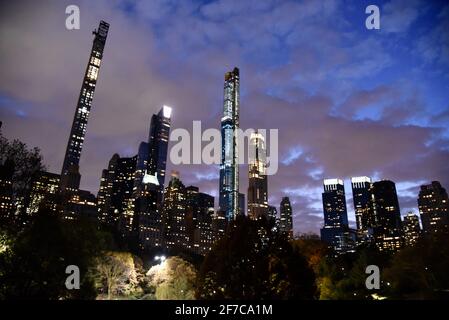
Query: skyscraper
x,y
257,178
148,214
336,230
6,192
43,192
174,213
149,179
388,225
114,197
229,168
412,229
433,206
272,213
286,219
364,214
70,176
199,220
158,143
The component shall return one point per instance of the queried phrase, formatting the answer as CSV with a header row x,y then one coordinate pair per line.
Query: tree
x,y
343,277
34,264
253,262
25,163
313,249
421,271
116,275
173,279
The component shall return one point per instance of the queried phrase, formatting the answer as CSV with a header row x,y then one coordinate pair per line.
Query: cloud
x,y
337,95
399,15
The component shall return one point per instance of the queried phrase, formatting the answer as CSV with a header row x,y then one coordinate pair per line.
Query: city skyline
x,y
304,163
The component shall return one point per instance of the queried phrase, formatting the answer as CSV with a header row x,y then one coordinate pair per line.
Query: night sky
x,y
347,101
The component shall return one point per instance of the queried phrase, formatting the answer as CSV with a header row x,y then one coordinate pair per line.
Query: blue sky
x,y
347,101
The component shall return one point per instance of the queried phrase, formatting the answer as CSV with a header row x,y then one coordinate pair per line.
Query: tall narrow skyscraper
x,y
257,178
70,176
229,168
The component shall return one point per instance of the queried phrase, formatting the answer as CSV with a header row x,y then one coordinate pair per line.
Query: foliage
x,y
343,277
25,164
252,262
173,279
33,266
116,275
312,248
420,271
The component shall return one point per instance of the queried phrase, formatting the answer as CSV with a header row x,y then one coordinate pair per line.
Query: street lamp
x,y
160,258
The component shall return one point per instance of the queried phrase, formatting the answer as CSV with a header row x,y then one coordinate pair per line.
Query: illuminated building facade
x,y
433,204
149,181
43,194
114,197
412,230
286,217
174,214
6,192
388,226
336,232
158,143
229,168
257,178
272,213
200,208
70,177
81,203
364,214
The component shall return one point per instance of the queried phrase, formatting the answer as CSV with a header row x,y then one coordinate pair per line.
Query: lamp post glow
x,y
160,258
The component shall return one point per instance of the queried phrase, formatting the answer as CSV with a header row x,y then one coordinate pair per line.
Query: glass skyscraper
x,y
229,168
257,178
388,225
70,177
158,143
336,230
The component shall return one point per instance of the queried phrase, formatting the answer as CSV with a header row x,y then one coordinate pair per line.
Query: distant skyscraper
x,y
199,220
70,177
158,143
242,203
286,219
43,192
174,214
361,196
81,204
229,168
149,180
6,192
388,226
433,206
272,213
412,229
115,204
336,230
257,178
148,214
